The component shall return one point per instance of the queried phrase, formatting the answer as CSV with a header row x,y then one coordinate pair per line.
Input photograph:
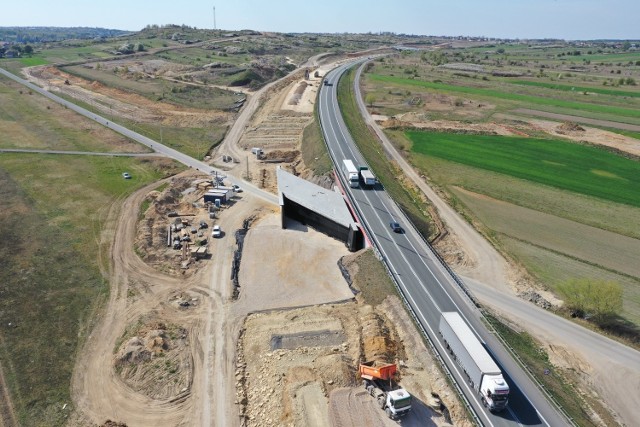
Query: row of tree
x,y
17,50
49,34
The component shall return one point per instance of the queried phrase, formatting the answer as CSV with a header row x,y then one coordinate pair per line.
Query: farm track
x,y
577,119
7,412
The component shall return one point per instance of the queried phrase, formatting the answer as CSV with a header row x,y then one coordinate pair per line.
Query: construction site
x,y
259,326
218,293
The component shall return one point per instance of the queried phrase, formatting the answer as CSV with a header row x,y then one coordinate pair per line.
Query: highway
x,y
426,284
428,287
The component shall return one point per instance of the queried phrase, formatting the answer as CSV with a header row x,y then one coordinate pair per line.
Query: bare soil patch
x,y
178,207
290,268
128,105
314,381
154,360
150,360
277,128
286,362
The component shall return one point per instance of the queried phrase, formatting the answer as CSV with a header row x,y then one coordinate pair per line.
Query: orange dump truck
x,y
378,380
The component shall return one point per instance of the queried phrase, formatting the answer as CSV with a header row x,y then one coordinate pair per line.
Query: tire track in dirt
x,y
138,290
7,413
97,390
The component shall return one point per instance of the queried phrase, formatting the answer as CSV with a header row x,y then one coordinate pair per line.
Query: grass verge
x,y
557,382
389,174
314,151
372,279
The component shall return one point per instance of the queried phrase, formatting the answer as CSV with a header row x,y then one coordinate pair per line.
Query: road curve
x,y
427,285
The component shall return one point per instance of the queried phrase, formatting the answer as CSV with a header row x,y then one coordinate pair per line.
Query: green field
x,y
52,212
554,268
559,235
525,99
550,238
33,61
572,88
70,54
603,214
579,168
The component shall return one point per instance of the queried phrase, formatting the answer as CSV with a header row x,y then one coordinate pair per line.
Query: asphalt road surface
x,y
429,288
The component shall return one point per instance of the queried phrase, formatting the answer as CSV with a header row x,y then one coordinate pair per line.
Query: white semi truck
x,y
482,372
351,173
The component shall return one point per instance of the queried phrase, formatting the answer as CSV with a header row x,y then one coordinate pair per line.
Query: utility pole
x,y
214,18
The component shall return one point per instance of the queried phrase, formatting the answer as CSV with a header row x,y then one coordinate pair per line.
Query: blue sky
x,y
568,19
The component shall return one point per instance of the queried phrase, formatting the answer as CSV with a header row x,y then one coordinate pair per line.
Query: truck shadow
x,y
423,415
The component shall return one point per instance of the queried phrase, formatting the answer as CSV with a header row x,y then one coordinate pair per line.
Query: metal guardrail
x,y
396,284
475,302
528,371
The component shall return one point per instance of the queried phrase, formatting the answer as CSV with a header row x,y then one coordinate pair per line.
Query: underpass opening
x,y
323,210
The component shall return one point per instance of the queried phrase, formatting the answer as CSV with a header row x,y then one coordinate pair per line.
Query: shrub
x,y
590,297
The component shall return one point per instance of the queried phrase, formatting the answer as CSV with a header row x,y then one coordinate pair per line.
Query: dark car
x,y
395,227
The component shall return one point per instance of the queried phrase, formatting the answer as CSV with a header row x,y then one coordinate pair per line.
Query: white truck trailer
x,y
368,178
351,173
482,372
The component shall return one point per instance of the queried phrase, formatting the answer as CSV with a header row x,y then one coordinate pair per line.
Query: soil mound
x,y
570,127
154,360
285,156
377,343
110,423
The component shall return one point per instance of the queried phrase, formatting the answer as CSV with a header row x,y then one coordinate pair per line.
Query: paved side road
x,y
154,145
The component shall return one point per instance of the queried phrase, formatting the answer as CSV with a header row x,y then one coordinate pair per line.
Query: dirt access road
x,y
486,272
137,291
142,297
210,325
